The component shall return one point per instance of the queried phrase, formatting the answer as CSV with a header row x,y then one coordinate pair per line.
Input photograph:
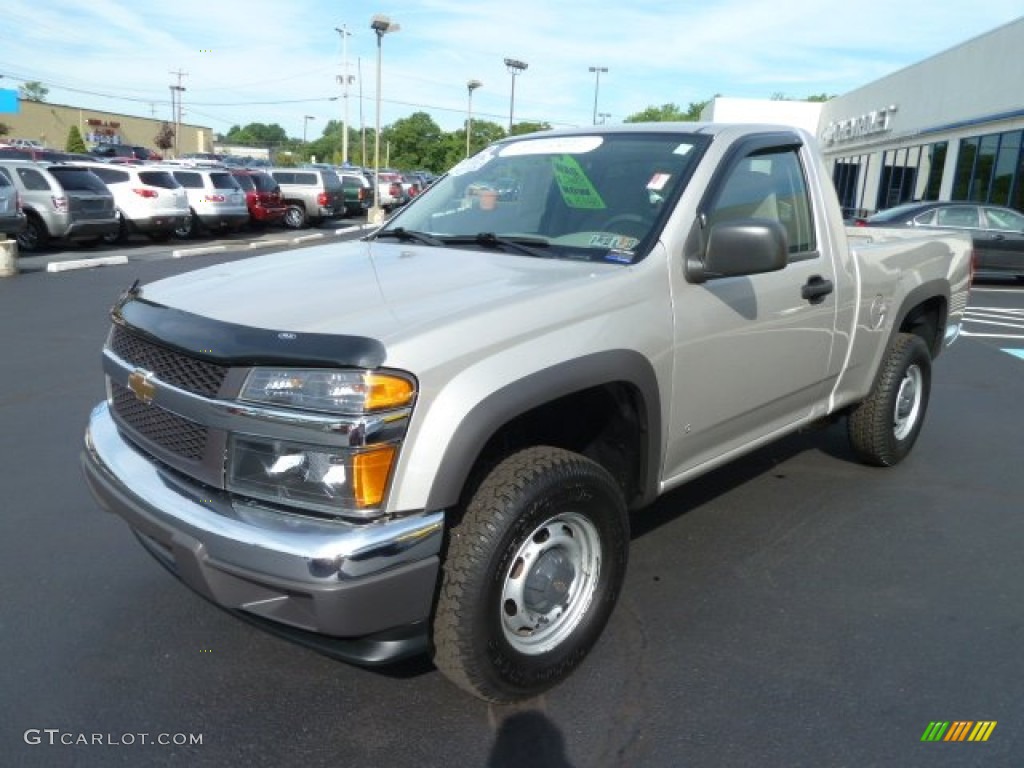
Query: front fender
x,y
482,421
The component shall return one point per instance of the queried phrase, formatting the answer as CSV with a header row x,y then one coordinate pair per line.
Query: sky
x,y
245,61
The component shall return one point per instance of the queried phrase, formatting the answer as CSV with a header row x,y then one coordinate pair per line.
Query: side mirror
x,y
739,247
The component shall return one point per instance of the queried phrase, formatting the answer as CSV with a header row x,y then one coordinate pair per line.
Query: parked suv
x,y
358,193
66,202
149,200
311,194
124,150
262,196
12,217
216,201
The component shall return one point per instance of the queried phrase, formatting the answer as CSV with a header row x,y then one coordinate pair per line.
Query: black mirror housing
x,y
741,247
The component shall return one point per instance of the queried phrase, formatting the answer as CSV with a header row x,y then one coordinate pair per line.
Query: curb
x,y
102,261
198,251
268,243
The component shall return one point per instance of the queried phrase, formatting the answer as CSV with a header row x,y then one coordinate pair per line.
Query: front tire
x,y
113,238
532,573
884,427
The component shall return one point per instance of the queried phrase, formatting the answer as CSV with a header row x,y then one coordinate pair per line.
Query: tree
x,y
520,129
414,141
33,90
4,129
75,142
257,135
670,113
164,138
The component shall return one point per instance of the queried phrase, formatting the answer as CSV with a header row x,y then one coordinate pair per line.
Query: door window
x,y
1005,220
958,216
769,185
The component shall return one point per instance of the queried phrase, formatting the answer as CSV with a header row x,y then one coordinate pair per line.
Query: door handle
x,y
816,289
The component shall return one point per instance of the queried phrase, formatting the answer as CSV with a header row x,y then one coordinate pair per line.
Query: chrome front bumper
x,y
328,577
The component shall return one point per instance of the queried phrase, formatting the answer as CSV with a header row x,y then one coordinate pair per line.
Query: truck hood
x,y
389,292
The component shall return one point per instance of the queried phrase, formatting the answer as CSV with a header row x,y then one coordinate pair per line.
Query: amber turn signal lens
x,y
370,473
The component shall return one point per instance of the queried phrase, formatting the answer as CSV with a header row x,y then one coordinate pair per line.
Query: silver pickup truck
x,y
431,440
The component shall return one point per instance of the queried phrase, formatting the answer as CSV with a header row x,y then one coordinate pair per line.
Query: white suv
x,y
149,199
216,200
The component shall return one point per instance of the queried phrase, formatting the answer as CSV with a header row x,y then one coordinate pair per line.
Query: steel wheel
x,y
909,399
551,583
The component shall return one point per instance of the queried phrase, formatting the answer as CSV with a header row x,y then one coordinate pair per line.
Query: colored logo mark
x,y
959,730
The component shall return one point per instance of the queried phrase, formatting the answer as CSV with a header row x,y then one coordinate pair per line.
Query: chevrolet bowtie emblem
x,y
140,382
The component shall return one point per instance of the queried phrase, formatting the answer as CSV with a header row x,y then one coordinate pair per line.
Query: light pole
x,y
597,84
515,67
345,81
305,122
381,25
471,86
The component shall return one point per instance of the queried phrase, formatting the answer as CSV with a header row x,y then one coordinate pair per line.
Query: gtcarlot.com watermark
x,y
57,737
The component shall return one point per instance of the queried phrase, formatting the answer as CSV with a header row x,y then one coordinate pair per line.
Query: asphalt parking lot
x,y
793,609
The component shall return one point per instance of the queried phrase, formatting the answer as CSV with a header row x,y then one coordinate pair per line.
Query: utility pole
x,y
346,80
178,90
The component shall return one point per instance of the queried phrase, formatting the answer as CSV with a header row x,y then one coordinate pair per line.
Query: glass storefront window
x,y
964,169
1006,166
990,169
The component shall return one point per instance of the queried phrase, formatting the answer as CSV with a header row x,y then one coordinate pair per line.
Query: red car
x,y
262,195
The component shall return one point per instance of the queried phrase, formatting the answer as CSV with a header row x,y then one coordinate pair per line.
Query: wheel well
x,y
927,320
607,424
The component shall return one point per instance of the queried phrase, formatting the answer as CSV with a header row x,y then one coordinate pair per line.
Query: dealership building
x,y
947,128
50,124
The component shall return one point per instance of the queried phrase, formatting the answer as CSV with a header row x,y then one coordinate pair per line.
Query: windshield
x,y
600,197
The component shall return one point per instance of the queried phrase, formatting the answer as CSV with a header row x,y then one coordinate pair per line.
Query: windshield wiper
x,y
409,235
526,245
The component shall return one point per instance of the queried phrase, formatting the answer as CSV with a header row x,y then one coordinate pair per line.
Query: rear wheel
x,y
34,236
295,217
532,573
884,427
189,226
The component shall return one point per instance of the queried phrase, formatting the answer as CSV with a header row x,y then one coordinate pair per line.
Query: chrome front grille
x,y
169,431
188,373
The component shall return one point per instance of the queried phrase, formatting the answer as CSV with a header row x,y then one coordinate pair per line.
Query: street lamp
x,y
515,67
305,122
597,84
345,80
471,86
381,25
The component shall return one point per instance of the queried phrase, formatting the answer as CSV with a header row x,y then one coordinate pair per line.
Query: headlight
x,y
333,480
344,392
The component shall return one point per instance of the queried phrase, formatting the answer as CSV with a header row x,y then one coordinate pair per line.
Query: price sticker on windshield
x,y
576,189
